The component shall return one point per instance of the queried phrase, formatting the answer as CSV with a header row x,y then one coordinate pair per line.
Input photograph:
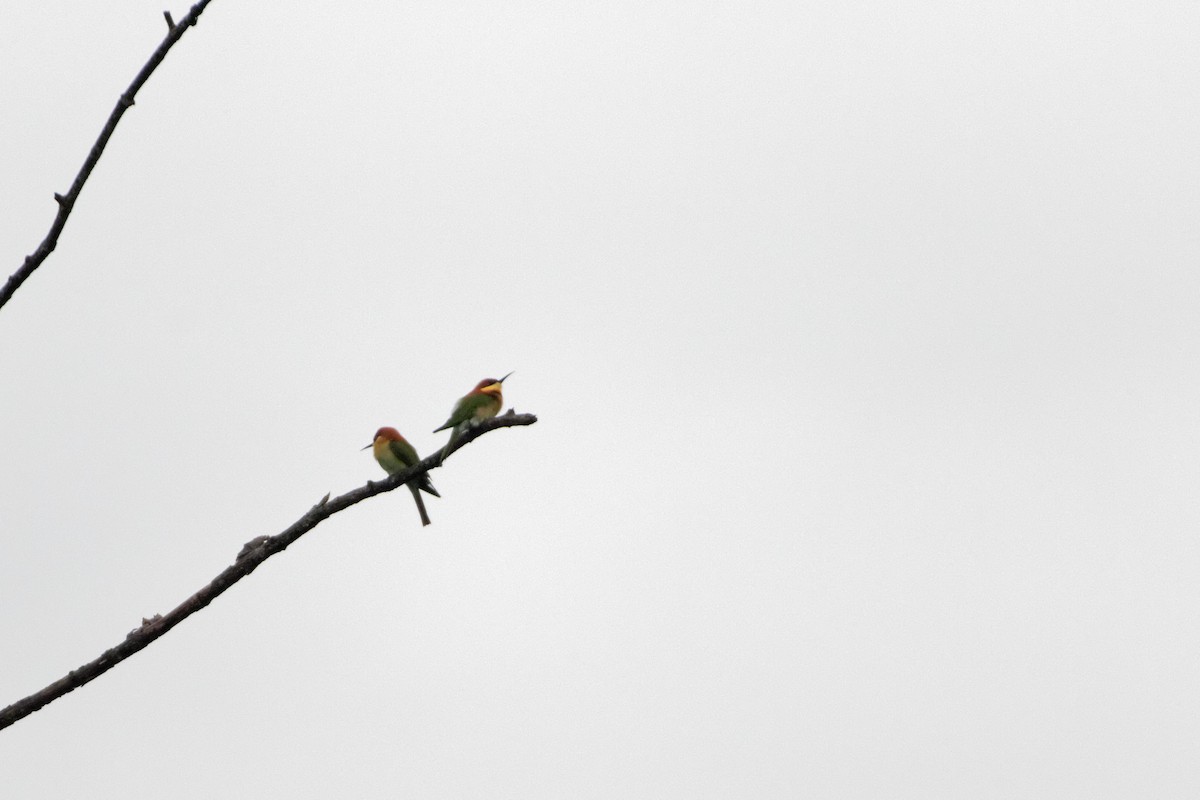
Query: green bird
x,y
394,453
482,402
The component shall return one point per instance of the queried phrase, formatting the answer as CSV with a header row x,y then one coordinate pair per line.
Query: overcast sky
x,y
862,336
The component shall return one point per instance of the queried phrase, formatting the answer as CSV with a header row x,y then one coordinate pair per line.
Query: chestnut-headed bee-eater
x,y
482,402
394,453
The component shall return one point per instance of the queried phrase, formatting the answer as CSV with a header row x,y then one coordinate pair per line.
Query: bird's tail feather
x,y
420,504
454,434
426,485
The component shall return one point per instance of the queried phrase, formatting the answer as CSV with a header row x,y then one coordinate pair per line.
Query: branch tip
x,y
170,22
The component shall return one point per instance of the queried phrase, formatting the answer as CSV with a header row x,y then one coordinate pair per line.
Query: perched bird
x,y
394,453
482,402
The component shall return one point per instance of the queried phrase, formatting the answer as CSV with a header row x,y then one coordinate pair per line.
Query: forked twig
x,y
67,201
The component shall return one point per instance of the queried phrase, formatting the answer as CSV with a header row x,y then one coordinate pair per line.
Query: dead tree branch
x,y
254,553
67,201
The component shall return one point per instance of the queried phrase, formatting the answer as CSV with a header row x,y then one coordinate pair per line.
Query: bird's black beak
x,y
502,380
372,444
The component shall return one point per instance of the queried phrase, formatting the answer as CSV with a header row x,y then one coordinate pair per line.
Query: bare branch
x,y
254,553
67,202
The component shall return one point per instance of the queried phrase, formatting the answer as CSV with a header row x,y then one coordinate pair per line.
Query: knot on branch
x,y
250,546
147,623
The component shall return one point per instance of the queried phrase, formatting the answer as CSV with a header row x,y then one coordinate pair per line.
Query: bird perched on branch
x,y
394,453
482,402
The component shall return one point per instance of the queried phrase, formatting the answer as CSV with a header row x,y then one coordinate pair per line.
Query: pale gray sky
x,y
863,339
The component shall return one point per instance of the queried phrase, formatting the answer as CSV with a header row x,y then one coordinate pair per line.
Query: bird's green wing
x,y
404,452
464,409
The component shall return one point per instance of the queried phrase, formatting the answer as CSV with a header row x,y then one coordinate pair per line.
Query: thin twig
x,y
67,202
255,552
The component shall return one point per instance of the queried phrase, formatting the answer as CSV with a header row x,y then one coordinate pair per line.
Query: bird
x,y
394,453
482,402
